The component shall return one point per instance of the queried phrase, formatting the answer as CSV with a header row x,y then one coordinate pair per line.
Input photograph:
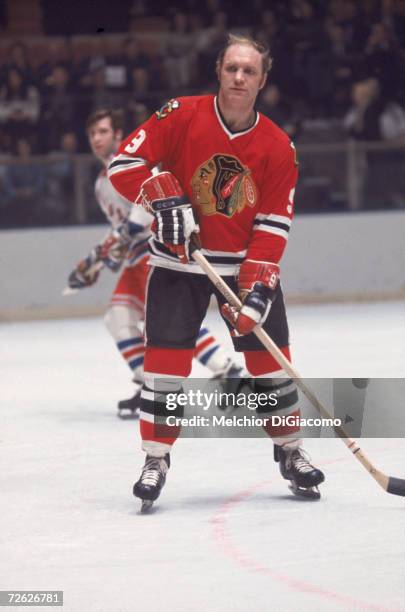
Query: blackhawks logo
x,y
223,185
167,108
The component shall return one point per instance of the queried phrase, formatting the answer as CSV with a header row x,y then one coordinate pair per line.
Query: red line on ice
x,y
223,538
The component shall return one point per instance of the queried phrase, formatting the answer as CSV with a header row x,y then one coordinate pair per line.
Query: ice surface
x,y
226,535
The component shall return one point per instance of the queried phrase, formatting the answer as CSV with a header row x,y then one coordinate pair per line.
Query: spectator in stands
x,y
141,85
209,44
60,53
277,109
69,143
319,48
19,106
179,54
4,141
59,106
397,19
19,59
24,185
392,161
362,121
142,99
274,34
210,8
57,205
311,75
196,24
392,123
92,63
269,27
341,65
347,14
138,114
133,58
306,25
101,94
118,67
383,60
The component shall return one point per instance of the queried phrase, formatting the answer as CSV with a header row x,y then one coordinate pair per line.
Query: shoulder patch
x,y
167,108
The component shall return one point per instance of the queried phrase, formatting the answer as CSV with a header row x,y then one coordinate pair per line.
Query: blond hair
x,y
235,39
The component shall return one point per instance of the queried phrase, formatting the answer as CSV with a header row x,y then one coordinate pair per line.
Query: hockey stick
x,y
96,267
396,486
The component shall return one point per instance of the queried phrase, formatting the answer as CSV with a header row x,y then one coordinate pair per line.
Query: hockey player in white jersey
x,y
125,248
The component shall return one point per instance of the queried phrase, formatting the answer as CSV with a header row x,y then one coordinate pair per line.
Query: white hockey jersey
x,y
117,208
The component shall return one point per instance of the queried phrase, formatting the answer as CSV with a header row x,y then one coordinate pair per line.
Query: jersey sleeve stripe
x,y
121,165
269,225
125,159
272,217
266,223
272,230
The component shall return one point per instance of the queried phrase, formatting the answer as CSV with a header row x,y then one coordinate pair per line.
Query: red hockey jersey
x,y
241,184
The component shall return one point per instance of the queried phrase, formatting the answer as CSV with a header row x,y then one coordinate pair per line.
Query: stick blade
x,y
396,486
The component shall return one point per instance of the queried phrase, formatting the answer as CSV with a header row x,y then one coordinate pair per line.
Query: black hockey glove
x,y
174,220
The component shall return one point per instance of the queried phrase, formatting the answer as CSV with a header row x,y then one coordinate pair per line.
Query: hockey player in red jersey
x,y
125,248
237,171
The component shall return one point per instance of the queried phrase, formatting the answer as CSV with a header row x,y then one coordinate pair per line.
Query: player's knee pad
x,y
123,322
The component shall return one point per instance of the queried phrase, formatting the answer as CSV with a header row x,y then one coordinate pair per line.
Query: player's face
x,y
102,138
241,75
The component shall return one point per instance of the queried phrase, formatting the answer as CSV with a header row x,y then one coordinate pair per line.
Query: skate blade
x,y
312,493
146,505
127,415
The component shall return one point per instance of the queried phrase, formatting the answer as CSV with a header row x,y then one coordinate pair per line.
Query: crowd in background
x,y
341,62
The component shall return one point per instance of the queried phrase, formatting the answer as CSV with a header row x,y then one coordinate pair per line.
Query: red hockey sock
x,y
164,371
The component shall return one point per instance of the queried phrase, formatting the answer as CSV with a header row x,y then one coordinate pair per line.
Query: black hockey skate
x,y
129,408
295,467
152,480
